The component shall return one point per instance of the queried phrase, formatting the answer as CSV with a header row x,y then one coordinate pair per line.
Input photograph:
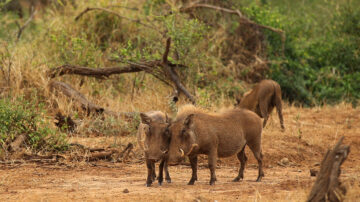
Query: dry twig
x,y
21,29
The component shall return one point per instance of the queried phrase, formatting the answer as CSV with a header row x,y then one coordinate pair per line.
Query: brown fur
x,y
262,99
156,143
216,135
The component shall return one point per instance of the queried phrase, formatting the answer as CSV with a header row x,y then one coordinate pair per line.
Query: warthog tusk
x,y
182,153
164,152
192,148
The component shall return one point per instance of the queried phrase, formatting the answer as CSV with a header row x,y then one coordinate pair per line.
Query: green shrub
x,y
321,62
21,117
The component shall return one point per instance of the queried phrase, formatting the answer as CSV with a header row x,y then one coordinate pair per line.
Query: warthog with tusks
x,y
222,134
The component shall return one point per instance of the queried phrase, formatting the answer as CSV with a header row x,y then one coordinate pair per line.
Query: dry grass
x,y
309,133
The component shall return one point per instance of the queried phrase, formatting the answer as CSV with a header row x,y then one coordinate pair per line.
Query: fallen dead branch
x,y
29,161
108,154
327,186
86,148
92,72
70,92
89,155
163,70
85,104
100,155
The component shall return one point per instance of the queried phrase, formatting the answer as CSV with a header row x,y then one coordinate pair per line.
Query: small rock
x,y
125,191
285,161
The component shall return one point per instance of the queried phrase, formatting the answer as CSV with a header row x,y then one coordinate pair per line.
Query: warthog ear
x,y
188,121
145,119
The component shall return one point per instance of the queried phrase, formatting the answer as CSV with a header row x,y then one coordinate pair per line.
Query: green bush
x,y
21,117
321,62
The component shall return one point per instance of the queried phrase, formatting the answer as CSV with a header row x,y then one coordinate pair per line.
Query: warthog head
x,y
183,139
157,137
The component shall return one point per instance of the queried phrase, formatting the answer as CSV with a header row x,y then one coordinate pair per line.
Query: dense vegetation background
x,y
318,61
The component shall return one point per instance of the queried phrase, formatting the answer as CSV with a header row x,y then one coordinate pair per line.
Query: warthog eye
x,y
183,132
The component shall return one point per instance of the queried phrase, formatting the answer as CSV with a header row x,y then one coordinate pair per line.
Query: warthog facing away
x,y
262,99
217,135
154,139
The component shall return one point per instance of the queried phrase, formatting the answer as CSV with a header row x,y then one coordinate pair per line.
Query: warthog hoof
x,y
160,180
148,185
259,178
237,179
212,181
191,182
282,129
168,180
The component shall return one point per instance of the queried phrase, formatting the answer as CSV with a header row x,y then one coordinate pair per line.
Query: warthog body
x,y
216,135
154,141
262,99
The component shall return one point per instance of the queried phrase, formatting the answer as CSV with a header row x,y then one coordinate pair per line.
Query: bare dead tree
x,y
163,70
327,186
170,71
21,28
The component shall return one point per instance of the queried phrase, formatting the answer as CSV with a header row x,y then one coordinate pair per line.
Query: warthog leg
x,y
163,164
256,149
263,107
167,175
193,162
153,176
242,158
151,169
212,165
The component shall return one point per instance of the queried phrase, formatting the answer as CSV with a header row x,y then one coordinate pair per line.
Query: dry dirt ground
x,y
309,133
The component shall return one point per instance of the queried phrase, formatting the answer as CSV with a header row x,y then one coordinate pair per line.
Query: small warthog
x,y
262,99
154,139
223,134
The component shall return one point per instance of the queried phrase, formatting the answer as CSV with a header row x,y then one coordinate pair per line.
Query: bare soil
x,y
309,133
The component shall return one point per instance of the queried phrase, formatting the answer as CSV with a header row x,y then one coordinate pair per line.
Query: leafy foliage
x,y
21,117
319,65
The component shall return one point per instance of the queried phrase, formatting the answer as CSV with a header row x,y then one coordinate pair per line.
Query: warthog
x,y
223,134
262,99
154,139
